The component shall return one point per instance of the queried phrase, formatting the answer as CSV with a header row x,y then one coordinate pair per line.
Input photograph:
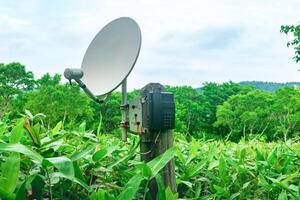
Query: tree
x,y
295,42
196,109
287,111
275,115
216,94
190,109
48,80
14,79
245,114
60,102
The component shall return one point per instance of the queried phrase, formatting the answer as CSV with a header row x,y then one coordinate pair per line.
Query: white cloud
x,y
184,42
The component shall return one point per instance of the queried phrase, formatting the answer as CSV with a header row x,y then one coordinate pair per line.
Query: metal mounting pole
x,y
124,110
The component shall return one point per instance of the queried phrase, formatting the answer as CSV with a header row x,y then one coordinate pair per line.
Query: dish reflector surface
x,y
111,55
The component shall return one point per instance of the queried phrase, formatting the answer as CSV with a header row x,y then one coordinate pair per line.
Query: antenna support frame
x,y
77,74
124,111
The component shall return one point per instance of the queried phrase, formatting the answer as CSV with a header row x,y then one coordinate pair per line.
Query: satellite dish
x,y
111,56
108,61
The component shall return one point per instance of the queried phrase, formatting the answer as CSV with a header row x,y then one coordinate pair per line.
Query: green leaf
x,y
245,185
77,155
3,128
17,132
55,139
101,195
5,195
82,127
282,195
159,162
78,172
223,173
74,179
63,164
170,195
36,129
99,155
187,183
213,164
198,189
273,156
161,187
20,148
192,171
99,125
221,191
119,161
262,182
33,131
235,195
243,154
131,188
57,128
10,173
144,169
259,156
181,156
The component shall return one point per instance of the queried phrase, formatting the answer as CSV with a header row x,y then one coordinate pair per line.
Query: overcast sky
x,y
184,42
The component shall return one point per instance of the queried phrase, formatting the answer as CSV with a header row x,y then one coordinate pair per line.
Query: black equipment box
x,y
158,111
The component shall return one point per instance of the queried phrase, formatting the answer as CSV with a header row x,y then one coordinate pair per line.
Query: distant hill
x,y
269,86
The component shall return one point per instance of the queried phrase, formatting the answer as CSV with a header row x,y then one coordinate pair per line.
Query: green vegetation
x,y
269,86
273,115
229,110
14,80
38,163
295,42
232,141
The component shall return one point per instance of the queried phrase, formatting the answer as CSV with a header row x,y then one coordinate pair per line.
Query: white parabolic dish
x,y
111,56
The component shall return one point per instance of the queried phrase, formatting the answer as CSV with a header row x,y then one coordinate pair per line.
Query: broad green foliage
x,y
244,170
75,164
71,164
295,42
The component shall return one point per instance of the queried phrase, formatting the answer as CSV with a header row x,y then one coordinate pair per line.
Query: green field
x,y
38,163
